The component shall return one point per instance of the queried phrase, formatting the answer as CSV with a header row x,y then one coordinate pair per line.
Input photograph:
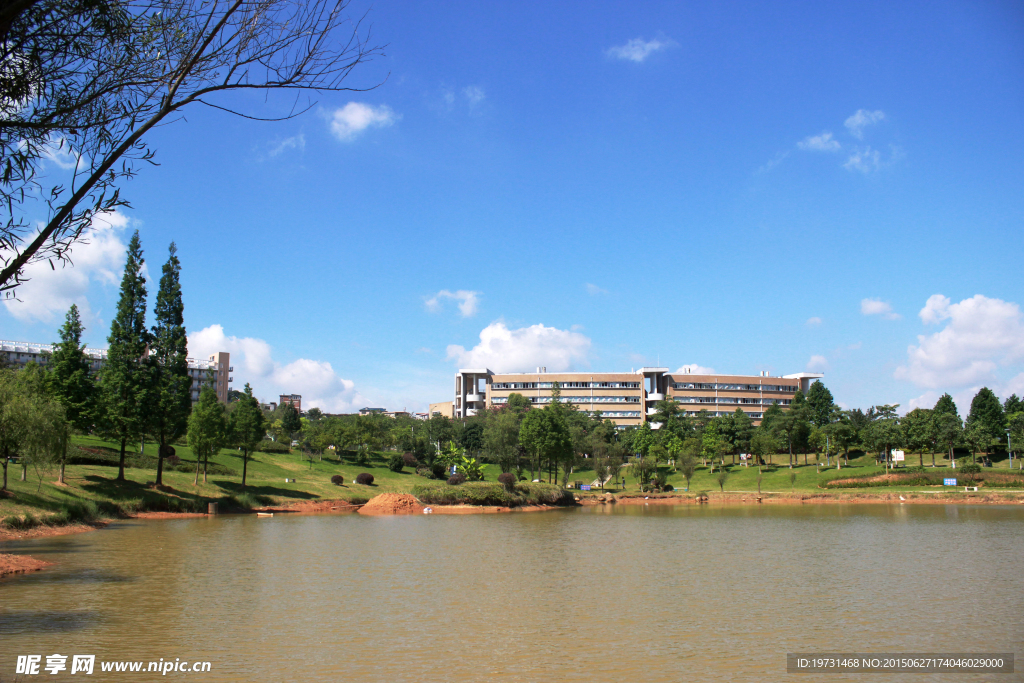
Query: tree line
x,y
143,388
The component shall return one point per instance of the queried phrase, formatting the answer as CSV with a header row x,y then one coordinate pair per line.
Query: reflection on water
x,y
599,594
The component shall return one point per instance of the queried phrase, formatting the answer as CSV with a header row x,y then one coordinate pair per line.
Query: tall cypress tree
x,y
68,373
170,399
125,375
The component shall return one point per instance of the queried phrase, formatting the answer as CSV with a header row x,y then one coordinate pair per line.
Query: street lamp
x,y
1009,448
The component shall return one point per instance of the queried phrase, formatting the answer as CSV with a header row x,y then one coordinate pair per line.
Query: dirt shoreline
x,y
16,564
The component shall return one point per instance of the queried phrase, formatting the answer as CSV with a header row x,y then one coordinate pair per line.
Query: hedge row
x,y
491,493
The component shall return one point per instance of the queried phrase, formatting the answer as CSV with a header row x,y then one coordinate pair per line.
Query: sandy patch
x,y
19,564
392,504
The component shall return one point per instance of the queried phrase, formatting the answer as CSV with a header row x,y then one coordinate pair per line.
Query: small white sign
x,y
897,456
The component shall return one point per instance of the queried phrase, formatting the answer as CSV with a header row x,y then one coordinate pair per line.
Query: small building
x,y
371,411
293,400
444,408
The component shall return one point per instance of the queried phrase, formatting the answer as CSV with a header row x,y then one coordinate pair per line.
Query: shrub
x,y
172,460
457,478
487,493
410,460
508,480
268,446
337,480
396,462
438,470
364,478
362,456
970,468
667,488
424,472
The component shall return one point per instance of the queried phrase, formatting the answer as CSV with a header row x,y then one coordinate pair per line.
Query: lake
x,y
615,593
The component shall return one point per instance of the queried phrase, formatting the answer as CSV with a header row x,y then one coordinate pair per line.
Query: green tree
x,y
246,427
987,414
764,443
545,437
207,430
290,422
688,467
918,431
170,392
472,437
1012,405
68,373
643,439
125,377
946,405
820,404
884,431
518,403
948,430
501,437
722,477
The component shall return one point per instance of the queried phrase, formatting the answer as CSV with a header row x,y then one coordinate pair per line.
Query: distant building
x,y
372,411
215,372
444,408
268,407
395,413
627,399
293,400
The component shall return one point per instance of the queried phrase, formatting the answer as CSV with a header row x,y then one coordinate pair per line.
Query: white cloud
x,y
878,307
864,160
772,163
295,142
813,322
638,49
594,290
253,361
820,143
694,369
981,334
469,301
49,293
355,117
474,94
817,364
861,119
524,349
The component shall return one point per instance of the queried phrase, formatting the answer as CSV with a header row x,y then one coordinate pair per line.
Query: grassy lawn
x,y
40,496
265,482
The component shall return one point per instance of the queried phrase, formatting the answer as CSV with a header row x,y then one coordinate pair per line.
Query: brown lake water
x,y
595,594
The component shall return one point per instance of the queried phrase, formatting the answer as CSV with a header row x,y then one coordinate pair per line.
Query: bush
x,y
172,460
362,456
337,480
667,488
410,460
457,478
488,493
364,478
438,470
396,462
970,468
425,472
508,480
268,446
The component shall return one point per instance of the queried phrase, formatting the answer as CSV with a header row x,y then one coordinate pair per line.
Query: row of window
x,y
728,399
501,400
711,386
505,386
723,413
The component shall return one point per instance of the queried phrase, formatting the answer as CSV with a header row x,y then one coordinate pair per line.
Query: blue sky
x,y
743,186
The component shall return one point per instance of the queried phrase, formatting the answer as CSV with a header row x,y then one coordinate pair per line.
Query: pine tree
x,y
125,375
68,373
987,413
246,427
171,386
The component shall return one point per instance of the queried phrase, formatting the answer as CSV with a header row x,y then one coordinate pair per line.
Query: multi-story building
x,y
293,400
629,398
214,372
